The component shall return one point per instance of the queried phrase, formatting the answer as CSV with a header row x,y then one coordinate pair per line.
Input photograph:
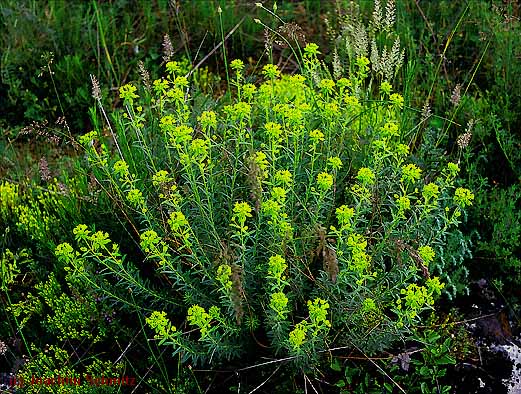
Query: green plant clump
x,y
297,210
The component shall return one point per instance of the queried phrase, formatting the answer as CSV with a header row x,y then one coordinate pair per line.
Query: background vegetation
x,y
73,306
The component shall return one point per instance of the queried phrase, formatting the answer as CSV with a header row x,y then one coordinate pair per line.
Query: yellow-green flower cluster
x,y
273,131
344,83
70,317
279,304
463,197
430,193
318,314
366,176
283,177
401,149
410,173
271,208
176,95
134,196
386,88
238,111
344,215
396,100
100,240
297,336
416,298
224,273
353,105
278,218
330,109
404,204
316,136
237,65
278,194
128,93
81,232
208,120
319,324
363,67
277,281
9,267
177,221
311,49
64,252
368,305
390,130
241,211
199,149
426,253
197,316
95,156
361,190
371,315
324,181
434,286
179,135
161,325
276,268
453,170
248,90
360,261
136,199
335,163
121,169
180,226
297,79
155,248
271,71
160,86
8,198
161,177
291,114
149,240
173,68
33,221
288,89
95,245
327,85
262,161
181,82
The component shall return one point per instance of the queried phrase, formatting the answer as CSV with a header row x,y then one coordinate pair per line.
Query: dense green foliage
x,y
280,222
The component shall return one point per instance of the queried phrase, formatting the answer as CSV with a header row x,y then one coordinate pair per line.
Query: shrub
x,y
295,213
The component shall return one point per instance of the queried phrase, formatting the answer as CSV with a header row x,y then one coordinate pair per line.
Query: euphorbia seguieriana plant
x,y
297,210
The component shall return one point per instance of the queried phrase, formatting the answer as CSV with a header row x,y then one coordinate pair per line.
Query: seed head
x,y
426,111
145,75
45,174
168,48
464,139
3,348
456,95
96,91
